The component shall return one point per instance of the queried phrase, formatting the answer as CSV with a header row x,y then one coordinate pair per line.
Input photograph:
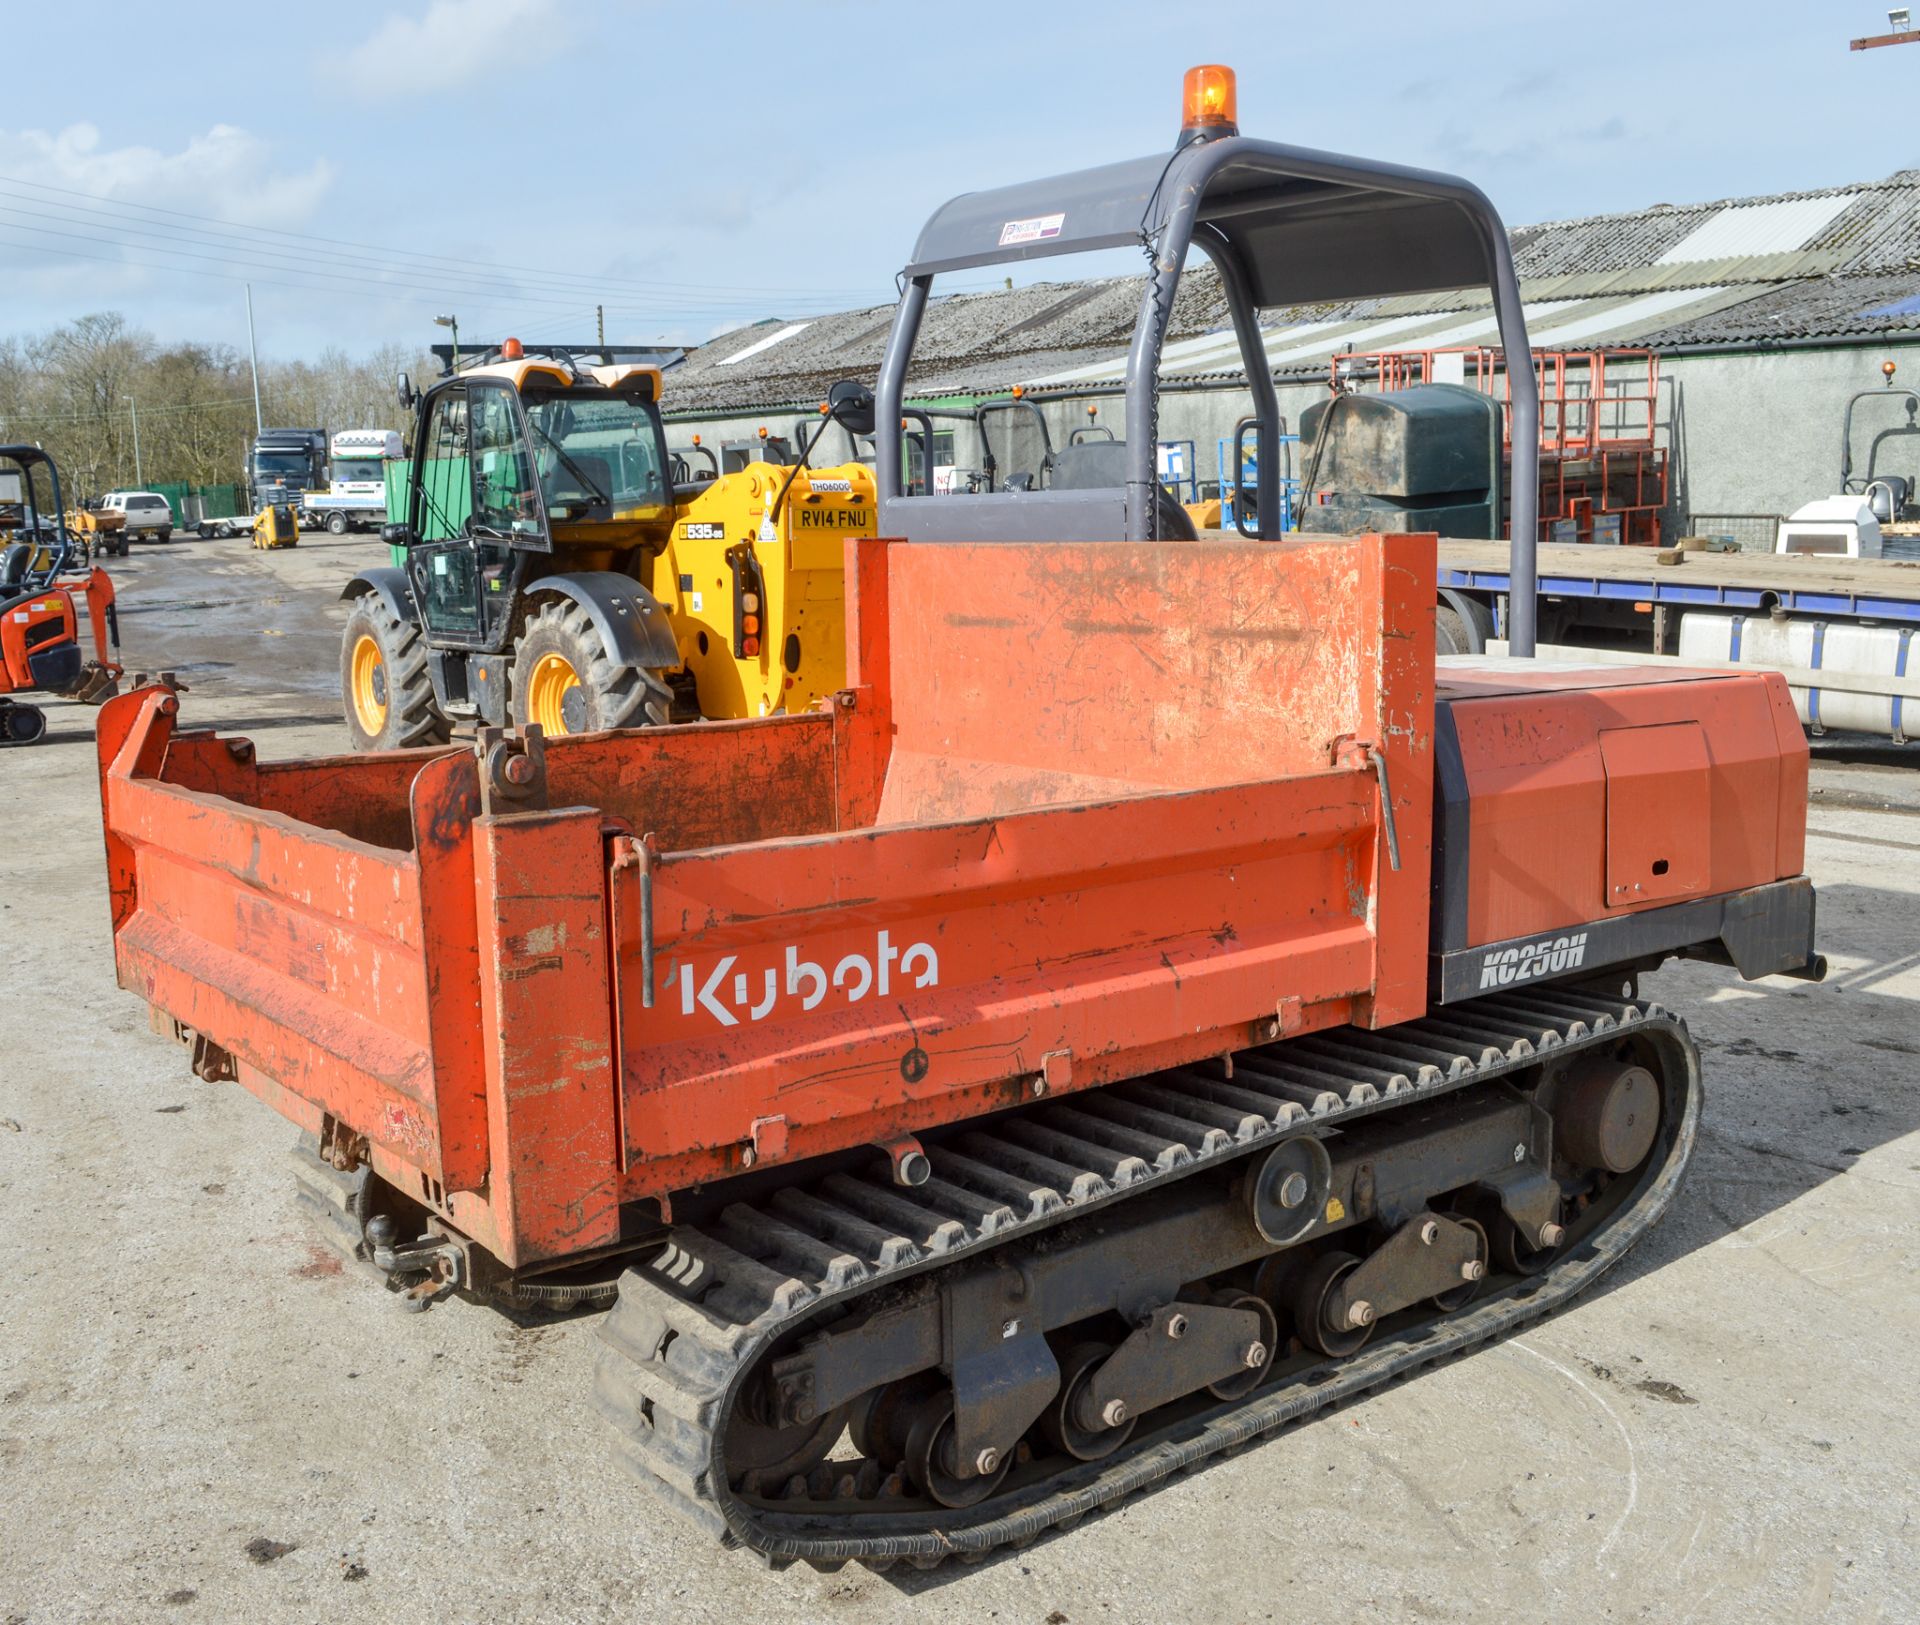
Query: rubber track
x,y
691,1325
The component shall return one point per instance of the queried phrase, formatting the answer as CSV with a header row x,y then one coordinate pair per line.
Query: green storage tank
x,y
1427,458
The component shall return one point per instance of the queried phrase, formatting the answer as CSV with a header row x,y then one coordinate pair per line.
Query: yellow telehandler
x,y
551,569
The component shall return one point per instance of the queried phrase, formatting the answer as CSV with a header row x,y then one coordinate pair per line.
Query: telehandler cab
x,y
558,572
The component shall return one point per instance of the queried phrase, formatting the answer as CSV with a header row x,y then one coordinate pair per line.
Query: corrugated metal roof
x,y
1596,319
764,344
1843,262
1781,227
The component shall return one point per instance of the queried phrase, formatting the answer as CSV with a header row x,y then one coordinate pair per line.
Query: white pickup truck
x,y
356,493
148,514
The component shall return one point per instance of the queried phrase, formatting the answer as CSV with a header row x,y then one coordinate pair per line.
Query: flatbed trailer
x,y
1839,629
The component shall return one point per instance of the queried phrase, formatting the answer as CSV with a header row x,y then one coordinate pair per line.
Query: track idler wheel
x,y
931,1460
758,1454
1607,1114
1062,1429
1460,1296
1266,1346
21,724
1316,1300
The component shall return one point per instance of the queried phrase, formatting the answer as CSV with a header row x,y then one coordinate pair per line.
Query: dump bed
x,y
1082,811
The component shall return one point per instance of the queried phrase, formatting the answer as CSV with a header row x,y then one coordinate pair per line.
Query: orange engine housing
x,y
1625,803
39,643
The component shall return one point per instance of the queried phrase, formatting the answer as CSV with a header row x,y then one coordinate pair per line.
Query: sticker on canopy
x,y
1040,227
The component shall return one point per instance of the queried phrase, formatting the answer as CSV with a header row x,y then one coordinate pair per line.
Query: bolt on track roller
x,y
766,1302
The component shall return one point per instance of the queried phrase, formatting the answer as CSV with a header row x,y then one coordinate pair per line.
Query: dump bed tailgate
x,y
1126,820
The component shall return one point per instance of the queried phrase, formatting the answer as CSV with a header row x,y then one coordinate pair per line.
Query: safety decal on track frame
x,y
1039,228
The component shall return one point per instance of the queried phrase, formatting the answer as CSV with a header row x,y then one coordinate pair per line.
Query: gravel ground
x,y
203,1417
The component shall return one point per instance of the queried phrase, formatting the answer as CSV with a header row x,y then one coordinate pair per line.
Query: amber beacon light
x,y
1209,102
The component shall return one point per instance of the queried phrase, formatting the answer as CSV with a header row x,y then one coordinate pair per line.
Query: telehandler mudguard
x,y
631,622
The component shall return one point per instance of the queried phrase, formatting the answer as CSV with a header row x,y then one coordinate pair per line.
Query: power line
x,y
110,416
403,290
467,282
439,293
587,282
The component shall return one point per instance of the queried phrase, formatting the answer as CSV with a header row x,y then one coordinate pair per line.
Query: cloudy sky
x,y
695,166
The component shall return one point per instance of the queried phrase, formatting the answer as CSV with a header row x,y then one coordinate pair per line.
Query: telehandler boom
x,y
1148,1003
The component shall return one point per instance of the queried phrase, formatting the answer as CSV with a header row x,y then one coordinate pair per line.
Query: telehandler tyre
x,y
563,680
387,694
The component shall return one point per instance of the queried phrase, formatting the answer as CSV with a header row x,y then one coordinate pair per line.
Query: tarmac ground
x,y
203,1416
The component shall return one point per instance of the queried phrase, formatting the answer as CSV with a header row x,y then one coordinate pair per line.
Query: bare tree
x,y
75,389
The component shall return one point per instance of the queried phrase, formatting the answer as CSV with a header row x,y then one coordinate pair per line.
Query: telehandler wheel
x,y
387,694
563,680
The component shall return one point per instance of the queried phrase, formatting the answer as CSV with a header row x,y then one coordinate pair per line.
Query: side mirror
x,y
850,404
400,535
403,387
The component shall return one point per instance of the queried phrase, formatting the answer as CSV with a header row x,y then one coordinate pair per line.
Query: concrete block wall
x,y
1750,433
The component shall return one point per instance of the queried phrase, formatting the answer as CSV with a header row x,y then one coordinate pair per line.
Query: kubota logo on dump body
x,y
727,994
1529,961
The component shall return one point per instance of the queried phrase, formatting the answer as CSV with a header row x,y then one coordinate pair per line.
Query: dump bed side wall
x,y
342,971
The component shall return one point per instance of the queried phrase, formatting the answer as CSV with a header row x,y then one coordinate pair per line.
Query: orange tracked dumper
x,y
1147,1004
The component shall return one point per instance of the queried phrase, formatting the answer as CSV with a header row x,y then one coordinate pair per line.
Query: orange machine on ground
x,y
1148,1004
42,605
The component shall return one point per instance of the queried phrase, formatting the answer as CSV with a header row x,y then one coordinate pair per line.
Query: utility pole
x,y
134,408
1900,21
600,322
253,351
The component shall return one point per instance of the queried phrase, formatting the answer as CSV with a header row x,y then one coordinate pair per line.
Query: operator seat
x,y
1887,496
13,564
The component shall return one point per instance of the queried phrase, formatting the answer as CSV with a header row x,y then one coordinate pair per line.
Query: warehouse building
x,y
1763,316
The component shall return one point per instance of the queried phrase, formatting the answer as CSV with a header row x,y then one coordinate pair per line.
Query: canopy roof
x,y
1306,225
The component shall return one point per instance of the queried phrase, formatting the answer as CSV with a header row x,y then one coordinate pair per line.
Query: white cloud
x,y
62,253
450,43
227,173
